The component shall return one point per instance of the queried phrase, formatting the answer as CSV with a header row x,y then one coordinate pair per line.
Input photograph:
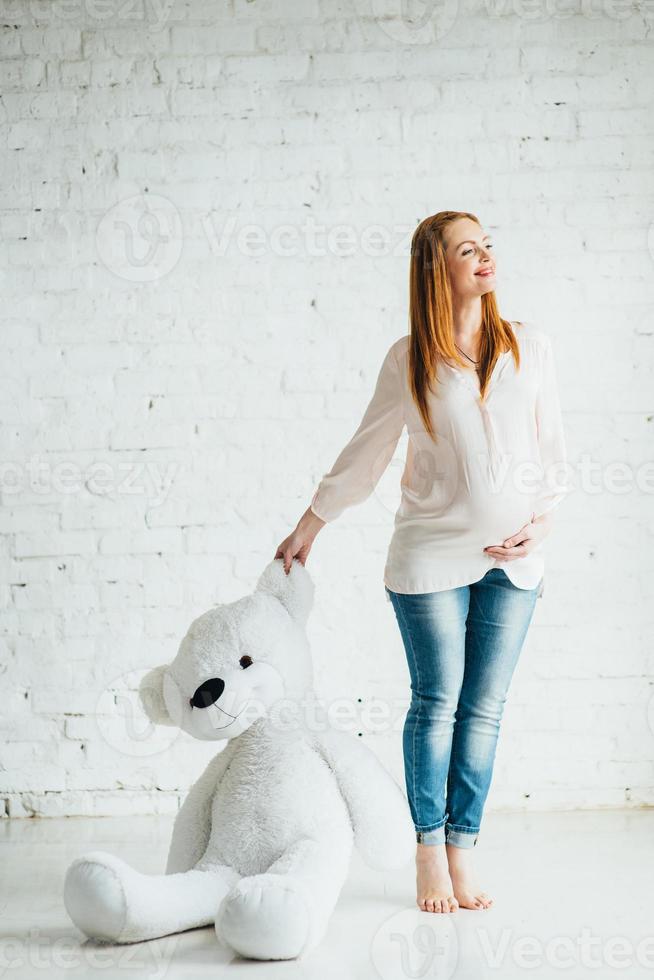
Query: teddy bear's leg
x,y
285,911
107,899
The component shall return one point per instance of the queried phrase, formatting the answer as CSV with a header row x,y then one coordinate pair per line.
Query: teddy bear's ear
x,y
151,696
294,591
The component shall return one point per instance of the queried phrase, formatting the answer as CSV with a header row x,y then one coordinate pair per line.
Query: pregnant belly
x,y
464,530
498,516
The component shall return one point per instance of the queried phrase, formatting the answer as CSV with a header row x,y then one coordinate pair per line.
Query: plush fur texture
x,y
262,843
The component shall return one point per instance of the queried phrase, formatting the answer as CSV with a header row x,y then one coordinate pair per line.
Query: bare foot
x,y
468,894
434,885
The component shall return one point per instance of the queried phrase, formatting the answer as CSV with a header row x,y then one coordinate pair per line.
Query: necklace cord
x,y
476,363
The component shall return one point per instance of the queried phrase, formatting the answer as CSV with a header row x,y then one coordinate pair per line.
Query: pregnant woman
x,y
485,466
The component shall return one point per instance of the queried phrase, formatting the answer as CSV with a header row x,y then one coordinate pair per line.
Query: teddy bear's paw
x,y
265,917
94,895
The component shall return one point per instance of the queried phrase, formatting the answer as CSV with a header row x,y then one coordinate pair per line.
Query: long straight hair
x,y
430,314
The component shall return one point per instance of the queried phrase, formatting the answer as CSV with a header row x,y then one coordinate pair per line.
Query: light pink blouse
x,y
494,465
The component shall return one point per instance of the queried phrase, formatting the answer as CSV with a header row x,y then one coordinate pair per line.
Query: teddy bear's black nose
x,y
208,693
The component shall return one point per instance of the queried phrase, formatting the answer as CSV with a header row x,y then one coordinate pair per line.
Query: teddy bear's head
x,y
238,661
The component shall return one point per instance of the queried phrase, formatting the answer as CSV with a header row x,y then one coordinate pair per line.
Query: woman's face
x,y
469,257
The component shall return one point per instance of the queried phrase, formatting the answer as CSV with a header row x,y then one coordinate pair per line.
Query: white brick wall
x,y
169,387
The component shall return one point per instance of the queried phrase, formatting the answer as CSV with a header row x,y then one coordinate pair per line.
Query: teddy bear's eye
x,y
245,661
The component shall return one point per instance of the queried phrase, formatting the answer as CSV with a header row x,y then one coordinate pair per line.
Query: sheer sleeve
x,y
556,482
360,465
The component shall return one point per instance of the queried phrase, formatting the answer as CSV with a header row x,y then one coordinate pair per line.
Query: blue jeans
x,y
462,646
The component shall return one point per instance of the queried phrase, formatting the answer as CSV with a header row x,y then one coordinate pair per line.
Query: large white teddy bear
x,y
262,843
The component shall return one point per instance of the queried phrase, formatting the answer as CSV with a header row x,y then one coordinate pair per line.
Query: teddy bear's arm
x,y
193,821
379,811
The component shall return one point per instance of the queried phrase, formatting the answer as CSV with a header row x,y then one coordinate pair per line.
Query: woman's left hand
x,y
523,541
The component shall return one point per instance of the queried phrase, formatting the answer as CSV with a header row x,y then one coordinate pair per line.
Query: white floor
x,y
573,898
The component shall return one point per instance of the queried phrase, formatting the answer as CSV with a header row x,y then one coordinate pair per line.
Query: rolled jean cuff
x,y
435,836
461,838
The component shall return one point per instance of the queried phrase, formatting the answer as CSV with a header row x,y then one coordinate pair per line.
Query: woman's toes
x,y
470,901
441,905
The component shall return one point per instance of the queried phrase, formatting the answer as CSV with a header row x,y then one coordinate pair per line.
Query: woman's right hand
x,y
299,542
